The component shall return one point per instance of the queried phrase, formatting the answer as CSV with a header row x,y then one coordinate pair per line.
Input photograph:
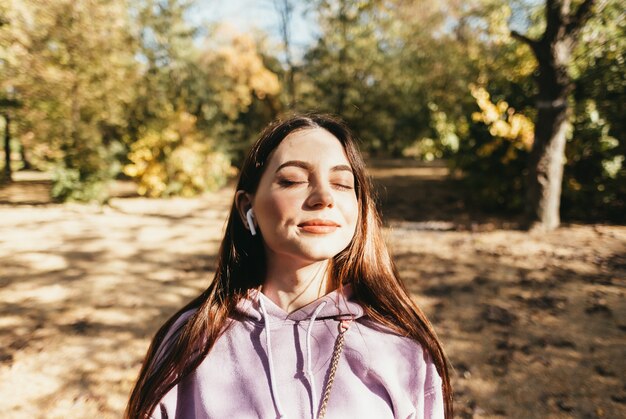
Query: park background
x,y
493,131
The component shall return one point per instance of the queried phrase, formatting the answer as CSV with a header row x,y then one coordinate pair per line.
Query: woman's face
x,y
306,205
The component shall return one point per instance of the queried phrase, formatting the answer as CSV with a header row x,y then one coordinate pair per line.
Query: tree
x,y
7,102
594,181
285,9
185,145
356,69
68,63
553,52
5,106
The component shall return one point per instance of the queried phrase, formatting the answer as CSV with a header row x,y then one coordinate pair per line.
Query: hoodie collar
x,y
338,303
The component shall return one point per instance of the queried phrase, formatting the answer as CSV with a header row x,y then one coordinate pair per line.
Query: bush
x,y
594,185
493,154
177,160
84,176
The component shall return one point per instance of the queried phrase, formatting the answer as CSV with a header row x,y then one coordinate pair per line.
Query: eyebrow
x,y
307,166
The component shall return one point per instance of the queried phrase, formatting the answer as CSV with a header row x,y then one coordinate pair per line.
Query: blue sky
x,y
260,14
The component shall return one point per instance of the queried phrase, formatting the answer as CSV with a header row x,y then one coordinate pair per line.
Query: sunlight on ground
x,y
84,288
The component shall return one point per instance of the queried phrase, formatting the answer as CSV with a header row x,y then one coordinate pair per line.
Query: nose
x,y
321,196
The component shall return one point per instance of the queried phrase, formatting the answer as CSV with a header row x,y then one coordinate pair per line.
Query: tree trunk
x,y
342,83
545,171
547,157
25,162
285,10
7,148
291,84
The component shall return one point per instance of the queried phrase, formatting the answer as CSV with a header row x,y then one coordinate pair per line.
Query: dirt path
x,y
534,325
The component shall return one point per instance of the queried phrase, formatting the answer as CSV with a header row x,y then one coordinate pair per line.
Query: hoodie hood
x,y
272,364
337,304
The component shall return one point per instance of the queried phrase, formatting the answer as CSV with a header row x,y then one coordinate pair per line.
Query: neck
x,y
291,285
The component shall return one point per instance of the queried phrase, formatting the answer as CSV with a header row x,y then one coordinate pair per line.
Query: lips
x,y
318,226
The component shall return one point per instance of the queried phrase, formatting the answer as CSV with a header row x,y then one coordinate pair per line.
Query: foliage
x,y
592,187
242,75
71,84
89,182
595,174
187,138
238,89
112,85
362,68
100,80
505,126
177,160
493,153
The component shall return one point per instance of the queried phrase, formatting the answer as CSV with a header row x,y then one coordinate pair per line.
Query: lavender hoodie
x,y
273,364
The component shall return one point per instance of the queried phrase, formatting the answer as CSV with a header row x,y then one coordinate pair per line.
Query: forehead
x,y
313,145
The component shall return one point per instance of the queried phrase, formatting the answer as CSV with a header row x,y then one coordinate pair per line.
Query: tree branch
x,y
578,20
530,42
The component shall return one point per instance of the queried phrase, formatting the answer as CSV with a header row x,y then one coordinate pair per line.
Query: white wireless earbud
x,y
249,216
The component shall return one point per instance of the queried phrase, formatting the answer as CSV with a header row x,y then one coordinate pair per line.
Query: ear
x,y
243,202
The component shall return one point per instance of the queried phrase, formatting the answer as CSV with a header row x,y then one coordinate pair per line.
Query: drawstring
x,y
309,368
270,360
344,325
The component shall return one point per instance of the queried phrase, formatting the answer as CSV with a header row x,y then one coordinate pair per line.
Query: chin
x,y
310,251
319,253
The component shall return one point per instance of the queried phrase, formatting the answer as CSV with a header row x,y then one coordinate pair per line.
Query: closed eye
x,y
343,187
288,183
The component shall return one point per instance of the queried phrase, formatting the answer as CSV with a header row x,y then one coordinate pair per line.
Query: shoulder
x,y
171,334
167,405
401,363
384,341
178,323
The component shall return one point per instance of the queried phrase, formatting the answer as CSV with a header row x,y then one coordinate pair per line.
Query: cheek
x,y
350,210
277,207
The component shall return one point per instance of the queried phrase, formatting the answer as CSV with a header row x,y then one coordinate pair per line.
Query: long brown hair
x,y
365,263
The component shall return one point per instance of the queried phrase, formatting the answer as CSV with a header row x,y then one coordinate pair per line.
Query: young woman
x,y
306,316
